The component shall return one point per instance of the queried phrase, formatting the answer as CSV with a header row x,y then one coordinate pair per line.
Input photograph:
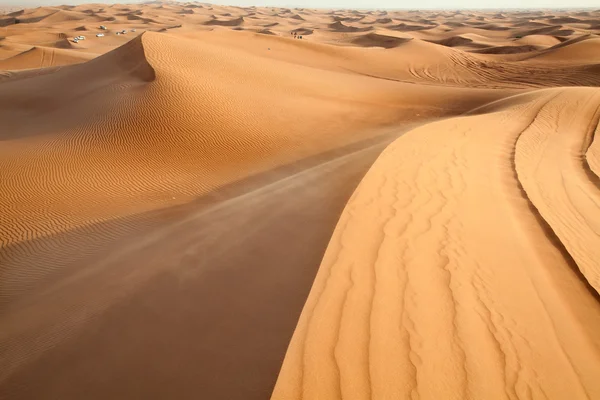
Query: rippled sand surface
x,y
398,205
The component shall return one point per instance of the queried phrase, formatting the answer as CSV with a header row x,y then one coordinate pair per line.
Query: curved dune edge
x,y
551,166
592,154
441,279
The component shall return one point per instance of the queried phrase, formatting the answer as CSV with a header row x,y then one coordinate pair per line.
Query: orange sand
x,y
168,195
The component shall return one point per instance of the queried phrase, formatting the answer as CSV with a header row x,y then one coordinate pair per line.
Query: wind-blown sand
x,y
183,211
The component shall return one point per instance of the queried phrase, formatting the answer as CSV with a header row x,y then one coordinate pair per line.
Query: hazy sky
x,y
422,4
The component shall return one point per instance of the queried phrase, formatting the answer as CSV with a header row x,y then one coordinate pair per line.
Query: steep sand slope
x,y
442,280
552,169
592,156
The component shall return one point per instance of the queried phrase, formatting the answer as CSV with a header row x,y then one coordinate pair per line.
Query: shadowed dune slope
x,y
454,271
231,22
506,49
454,41
340,27
377,40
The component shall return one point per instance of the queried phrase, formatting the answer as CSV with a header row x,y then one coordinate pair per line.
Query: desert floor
x,y
397,205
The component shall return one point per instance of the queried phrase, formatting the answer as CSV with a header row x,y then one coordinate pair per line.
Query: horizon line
x,y
507,8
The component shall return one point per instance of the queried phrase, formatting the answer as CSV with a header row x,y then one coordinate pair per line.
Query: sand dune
x,y
408,28
576,51
376,40
229,22
340,27
143,60
64,16
415,277
454,41
526,48
401,204
39,57
303,31
538,40
571,207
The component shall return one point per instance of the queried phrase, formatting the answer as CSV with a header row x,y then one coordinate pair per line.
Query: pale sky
x,y
362,4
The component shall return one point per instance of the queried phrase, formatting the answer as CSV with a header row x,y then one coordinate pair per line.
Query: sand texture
x,y
399,205
456,272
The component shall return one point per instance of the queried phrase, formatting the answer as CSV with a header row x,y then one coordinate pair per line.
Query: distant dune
x,y
376,40
506,49
230,22
340,27
197,203
454,41
407,27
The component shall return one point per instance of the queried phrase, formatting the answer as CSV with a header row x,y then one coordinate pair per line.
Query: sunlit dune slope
x,y
460,266
550,161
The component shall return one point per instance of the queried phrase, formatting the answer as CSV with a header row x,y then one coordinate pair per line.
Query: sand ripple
x,y
454,271
168,190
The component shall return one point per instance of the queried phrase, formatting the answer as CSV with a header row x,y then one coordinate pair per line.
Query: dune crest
x,y
230,22
550,161
377,40
442,280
